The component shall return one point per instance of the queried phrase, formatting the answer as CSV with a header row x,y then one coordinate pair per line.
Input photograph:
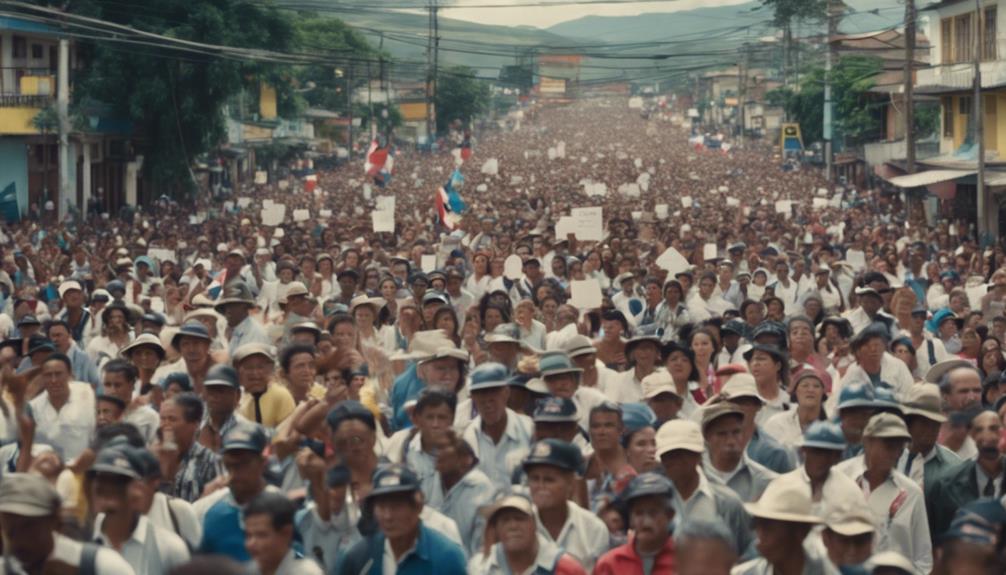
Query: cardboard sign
x,y
513,267
491,167
589,223
783,207
428,263
672,261
162,255
630,190
552,154
266,203
385,203
820,203
733,203
273,215
382,221
686,202
244,202
661,211
325,213
560,150
709,252
637,215
261,177
301,215
565,226
585,294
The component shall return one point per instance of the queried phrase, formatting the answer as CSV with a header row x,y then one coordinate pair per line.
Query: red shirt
x,y
623,560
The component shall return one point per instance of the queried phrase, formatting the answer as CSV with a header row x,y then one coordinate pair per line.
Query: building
x,y
951,175
558,77
102,163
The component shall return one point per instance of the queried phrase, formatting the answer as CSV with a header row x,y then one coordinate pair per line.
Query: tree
x,y
460,96
46,121
856,113
788,12
348,49
176,101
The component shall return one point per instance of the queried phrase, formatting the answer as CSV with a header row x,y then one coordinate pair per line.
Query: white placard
x,y
382,221
589,223
686,202
283,185
273,215
266,203
552,154
661,211
301,215
325,213
630,190
733,202
820,203
513,267
856,259
782,207
672,261
385,203
491,167
637,215
635,103
244,202
560,150
709,252
428,263
975,294
638,162
585,294
162,255
565,226
261,177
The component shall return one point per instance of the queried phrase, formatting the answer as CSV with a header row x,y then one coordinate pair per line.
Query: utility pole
x,y
984,203
432,55
370,104
62,108
745,67
349,104
829,56
909,86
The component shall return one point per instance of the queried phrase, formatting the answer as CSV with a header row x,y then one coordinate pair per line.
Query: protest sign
x,y
585,294
513,267
301,215
273,215
244,202
733,202
325,213
428,263
385,203
383,221
672,261
661,211
162,255
820,203
261,177
565,226
491,167
686,202
589,223
709,252
631,190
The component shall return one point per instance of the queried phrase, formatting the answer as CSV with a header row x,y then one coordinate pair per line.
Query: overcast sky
x,y
543,17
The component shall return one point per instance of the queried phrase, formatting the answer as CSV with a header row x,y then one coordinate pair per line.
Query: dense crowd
x,y
751,371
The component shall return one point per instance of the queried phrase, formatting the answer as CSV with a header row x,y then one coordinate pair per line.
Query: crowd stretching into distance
x,y
737,368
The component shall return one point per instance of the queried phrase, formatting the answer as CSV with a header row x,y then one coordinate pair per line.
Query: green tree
x,y
856,114
326,86
176,100
460,96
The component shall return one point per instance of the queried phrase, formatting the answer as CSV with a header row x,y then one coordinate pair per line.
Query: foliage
x,y
519,76
325,86
46,120
393,120
787,11
175,100
460,96
855,117
927,120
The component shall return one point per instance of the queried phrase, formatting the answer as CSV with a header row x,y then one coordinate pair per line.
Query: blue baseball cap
x,y
555,410
555,453
856,395
824,435
488,376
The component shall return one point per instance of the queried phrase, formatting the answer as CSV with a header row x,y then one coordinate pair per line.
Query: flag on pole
x,y
379,162
450,205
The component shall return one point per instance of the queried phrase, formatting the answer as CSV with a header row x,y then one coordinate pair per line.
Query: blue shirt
x,y
433,553
223,533
407,386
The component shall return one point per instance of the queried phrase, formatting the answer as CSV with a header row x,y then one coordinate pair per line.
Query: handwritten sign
x,y
585,294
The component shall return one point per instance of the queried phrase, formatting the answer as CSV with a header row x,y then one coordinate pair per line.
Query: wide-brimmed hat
x,y
489,375
945,314
924,400
940,368
424,345
886,426
293,289
773,350
823,435
850,518
555,453
680,434
785,499
235,292
556,363
504,333
127,313
578,345
191,328
141,340
657,383
638,340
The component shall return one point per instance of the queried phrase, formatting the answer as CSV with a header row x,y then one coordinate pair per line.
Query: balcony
x,y
947,78
23,93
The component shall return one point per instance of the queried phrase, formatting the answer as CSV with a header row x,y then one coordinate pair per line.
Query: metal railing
x,y
24,101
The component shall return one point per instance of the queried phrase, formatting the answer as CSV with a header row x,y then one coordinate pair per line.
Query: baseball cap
x,y
680,434
508,501
555,453
824,435
249,349
28,495
850,518
718,410
488,376
245,436
657,383
555,410
116,461
347,410
67,286
222,375
741,385
886,425
391,479
578,345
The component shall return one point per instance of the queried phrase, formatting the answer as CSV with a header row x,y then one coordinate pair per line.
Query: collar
x,y
139,533
420,548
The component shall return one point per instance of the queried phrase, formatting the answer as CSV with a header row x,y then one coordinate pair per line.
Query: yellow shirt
x,y
275,405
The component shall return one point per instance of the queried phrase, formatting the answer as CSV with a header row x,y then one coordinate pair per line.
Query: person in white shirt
x,y
148,549
897,503
120,382
65,412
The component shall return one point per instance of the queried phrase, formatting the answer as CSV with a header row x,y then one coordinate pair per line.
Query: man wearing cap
x,y
439,364
222,511
460,489
762,447
417,446
822,447
583,354
222,393
848,533
30,520
897,503
264,401
782,521
402,543
192,342
119,525
497,431
525,287
925,459
76,316
120,382
519,547
552,468
661,395
680,447
187,466
973,478
725,459
82,367
64,412
644,355
146,354
235,304
647,505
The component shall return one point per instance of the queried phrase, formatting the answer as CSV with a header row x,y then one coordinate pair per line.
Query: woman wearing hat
x,y
639,436
116,321
807,392
770,368
611,346
680,363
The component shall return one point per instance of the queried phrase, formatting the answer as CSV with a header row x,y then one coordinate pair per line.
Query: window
x,y
963,39
948,116
989,34
964,105
947,40
20,47
989,105
37,52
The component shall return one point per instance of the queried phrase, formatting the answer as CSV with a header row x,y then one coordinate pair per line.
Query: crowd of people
x,y
782,376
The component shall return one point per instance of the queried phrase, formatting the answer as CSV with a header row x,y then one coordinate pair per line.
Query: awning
x,y
929,177
995,178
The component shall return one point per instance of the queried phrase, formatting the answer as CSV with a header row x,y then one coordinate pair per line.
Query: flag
x,y
217,285
379,162
450,205
463,152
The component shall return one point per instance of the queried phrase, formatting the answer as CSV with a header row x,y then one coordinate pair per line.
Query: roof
x,y
26,26
928,178
940,4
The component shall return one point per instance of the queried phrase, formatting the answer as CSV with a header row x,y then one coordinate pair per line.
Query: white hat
x,y
67,286
680,434
936,372
659,382
785,499
740,385
294,289
850,518
424,345
890,559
